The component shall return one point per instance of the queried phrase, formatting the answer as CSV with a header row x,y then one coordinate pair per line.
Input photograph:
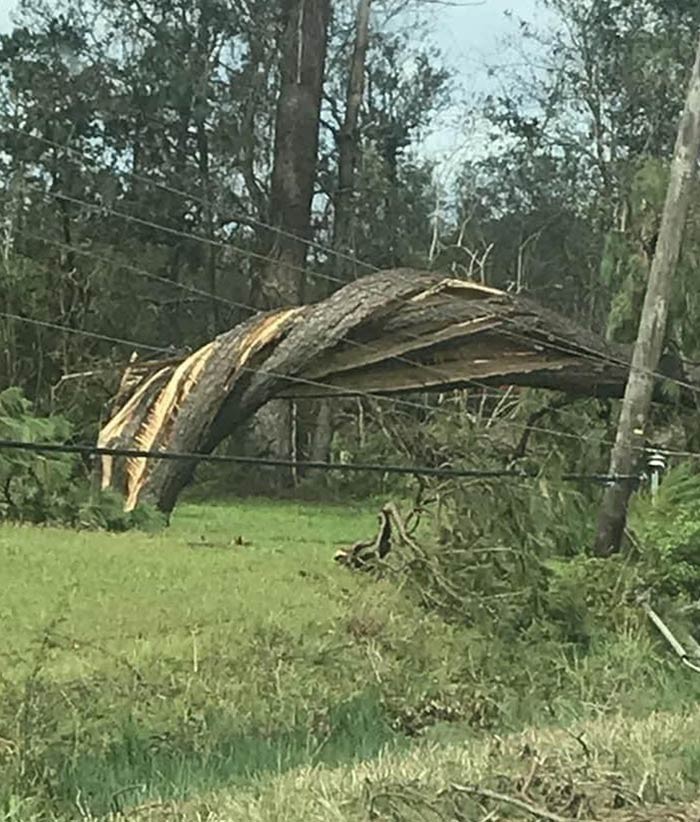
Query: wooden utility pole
x,y
652,325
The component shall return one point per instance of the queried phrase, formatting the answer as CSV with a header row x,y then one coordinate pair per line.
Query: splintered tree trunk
x,y
652,325
418,331
303,49
343,221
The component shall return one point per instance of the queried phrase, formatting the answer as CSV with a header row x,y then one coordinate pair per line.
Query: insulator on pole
x,y
656,462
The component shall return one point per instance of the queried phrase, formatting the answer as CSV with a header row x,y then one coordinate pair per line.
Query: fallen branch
x,y
364,552
392,511
533,810
690,661
536,416
361,554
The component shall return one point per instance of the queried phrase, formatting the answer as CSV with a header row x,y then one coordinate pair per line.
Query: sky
x,y
5,7
470,34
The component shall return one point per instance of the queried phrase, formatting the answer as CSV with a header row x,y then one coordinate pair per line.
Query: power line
x,y
326,386
142,272
301,380
175,232
286,377
68,330
413,470
234,303
585,352
428,368
244,219
157,226
579,349
223,244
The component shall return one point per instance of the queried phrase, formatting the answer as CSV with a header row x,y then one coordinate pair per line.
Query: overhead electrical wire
x,y
299,380
282,232
248,369
413,470
255,255
93,335
344,392
138,270
254,221
243,219
224,244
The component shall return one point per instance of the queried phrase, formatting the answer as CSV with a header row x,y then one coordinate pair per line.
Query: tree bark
x,y
652,325
303,47
323,433
390,332
344,212
304,43
349,146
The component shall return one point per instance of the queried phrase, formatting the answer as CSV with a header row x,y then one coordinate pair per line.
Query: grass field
x,y
227,669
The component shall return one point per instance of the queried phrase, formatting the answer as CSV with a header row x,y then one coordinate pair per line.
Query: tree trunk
x,y
323,433
652,325
296,148
344,216
349,147
303,49
417,331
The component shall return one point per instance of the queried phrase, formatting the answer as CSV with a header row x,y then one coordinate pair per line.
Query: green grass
x,y
182,661
227,665
605,769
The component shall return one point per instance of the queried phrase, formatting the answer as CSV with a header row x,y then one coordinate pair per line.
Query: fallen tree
x,y
391,332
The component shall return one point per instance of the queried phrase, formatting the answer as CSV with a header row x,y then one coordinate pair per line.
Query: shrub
x,y
54,488
667,530
34,486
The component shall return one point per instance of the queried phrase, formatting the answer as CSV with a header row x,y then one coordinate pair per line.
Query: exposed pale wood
x,y
390,332
401,344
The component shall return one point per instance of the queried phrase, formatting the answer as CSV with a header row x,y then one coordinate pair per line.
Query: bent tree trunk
x,y
390,332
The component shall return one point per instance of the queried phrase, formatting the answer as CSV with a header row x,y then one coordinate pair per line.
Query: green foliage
x,y
54,488
105,511
668,531
34,486
493,564
630,247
